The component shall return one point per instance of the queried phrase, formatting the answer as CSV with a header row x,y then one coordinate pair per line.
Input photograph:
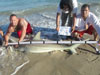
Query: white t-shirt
x,y
75,6
91,20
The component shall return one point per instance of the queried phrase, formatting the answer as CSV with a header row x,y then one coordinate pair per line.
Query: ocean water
x,y
42,16
40,13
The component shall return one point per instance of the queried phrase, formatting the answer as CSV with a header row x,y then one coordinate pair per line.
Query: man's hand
x,y
73,29
17,45
57,28
86,26
6,43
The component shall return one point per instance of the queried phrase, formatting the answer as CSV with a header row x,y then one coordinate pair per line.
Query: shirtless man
x,y
20,25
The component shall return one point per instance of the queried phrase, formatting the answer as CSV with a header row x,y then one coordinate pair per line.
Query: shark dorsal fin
x,y
37,36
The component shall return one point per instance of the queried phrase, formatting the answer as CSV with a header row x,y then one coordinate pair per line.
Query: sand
x,y
85,62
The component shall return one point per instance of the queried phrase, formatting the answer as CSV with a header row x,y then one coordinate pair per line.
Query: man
x,y
1,32
20,25
1,38
87,22
66,9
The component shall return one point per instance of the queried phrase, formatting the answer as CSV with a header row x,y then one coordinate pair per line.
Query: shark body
x,y
41,48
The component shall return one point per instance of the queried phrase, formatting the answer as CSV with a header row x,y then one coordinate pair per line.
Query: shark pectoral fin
x,y
73,51
37,36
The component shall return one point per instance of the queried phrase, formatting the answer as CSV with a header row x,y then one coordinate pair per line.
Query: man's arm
x,y
6,37
1,32
74,22
75,8
57,21
96,24
23,29
58,17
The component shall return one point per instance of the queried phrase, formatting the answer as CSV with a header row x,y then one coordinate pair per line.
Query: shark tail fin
x,y
73,47
37,36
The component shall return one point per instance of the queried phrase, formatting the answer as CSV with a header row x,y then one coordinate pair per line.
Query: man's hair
x,y
84,6
66,2
12,15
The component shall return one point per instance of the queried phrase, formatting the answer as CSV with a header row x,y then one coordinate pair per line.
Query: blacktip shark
x,y
41,48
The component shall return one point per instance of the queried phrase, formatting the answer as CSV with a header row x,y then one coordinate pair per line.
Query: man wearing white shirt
x,y
65,8
87,22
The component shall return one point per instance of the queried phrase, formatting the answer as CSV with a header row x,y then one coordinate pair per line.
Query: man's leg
x,y
95,35
78,34
19,33
91,31
64,18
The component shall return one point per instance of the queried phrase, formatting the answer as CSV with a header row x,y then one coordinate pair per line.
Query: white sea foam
x,y
9,59
19,67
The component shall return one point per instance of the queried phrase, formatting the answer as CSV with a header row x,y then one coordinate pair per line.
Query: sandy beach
x,y
85,62
41,14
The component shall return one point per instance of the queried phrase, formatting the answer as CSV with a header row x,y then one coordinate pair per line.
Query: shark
x,y
41,48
